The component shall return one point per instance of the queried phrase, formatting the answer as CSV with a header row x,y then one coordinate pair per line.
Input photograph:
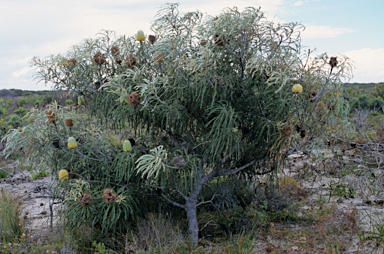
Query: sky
x,y
49,27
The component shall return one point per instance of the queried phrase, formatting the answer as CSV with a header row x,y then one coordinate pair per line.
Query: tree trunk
x,y
190,208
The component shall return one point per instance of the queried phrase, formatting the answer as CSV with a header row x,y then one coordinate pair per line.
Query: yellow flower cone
x,y
72,142
297,88
63,175
140,36
127,147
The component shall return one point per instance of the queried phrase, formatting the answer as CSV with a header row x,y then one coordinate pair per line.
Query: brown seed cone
x,y
71,63
333,62
115,50
286,130
86,199
134,99
219,40
118,59
131,60
99,58
152,38
203,42
51,116
109,196
68,122
380,135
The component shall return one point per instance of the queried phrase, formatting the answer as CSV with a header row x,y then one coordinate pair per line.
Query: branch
x,y
230,154
172,202
238,169
181,194
206,202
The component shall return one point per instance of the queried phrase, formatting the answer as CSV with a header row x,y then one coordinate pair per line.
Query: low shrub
x,y
376,104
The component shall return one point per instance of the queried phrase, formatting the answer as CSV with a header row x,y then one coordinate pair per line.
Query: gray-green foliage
x,y
92,161
213,104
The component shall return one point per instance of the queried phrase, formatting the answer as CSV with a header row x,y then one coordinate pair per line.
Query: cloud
x,y
317,32
369,64
19,73
298,3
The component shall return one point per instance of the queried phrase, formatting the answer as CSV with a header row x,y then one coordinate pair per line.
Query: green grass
x,y
11,226
42,172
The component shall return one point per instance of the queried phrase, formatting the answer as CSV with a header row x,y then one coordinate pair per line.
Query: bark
x,y
190,208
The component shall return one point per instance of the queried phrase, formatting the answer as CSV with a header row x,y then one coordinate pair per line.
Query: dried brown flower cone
x,y
118,59
380,135
99,58
134,99
219,40
333,62
203,42
109,196
179,161
152,38
86,199
115,50
51,116
286,130
71,63
68,122
131,60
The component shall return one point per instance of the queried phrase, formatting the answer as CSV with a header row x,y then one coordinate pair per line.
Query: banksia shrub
x,y
99,58
235,129
286,130
109,196
134,99
85,199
